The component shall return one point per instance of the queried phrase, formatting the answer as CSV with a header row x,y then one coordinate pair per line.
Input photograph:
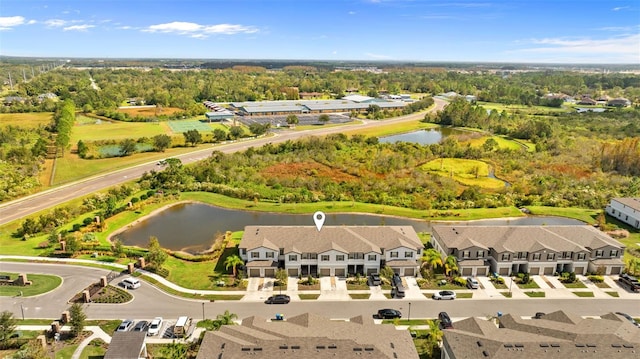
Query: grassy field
x,y
390,129
94,350
42,283
584,294
117,130
149,111
582,214
520,108
29,119
467,172
503,142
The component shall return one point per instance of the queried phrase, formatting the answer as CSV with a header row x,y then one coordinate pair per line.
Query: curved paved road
x,y
19,208
150,302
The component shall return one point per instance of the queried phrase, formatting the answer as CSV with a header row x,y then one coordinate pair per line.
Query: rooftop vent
x,y
544,345
629,346
319,346
258,349
508,345
392,345
395,355
591,345
283,347
553,345
579,345
479,343
357,349
519,345
222,346
246,349
295,347
368,349
616,346
485,353
332,346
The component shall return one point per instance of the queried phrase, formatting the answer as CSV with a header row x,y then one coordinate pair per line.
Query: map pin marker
x,y
319,218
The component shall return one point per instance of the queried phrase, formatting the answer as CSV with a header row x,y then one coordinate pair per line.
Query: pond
x,y
422,137
192,227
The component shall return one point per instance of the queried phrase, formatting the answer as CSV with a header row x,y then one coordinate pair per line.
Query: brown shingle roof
x,y
125,345
557,335
346,239
525,238
308,335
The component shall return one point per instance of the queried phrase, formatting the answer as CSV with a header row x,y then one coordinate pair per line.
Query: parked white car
x,y
131,283
155,326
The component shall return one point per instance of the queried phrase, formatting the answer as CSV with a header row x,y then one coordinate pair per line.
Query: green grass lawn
x,y
534,294
108,326
531,285
465,295
507,294
584,294
42,283
613,294
351,286
360,295
66,352
308,296
576,284
504,142
117,130
467,172
94,350
29,119
208,297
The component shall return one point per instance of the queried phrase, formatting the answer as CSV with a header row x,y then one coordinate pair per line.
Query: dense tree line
x,y
360,169
187,89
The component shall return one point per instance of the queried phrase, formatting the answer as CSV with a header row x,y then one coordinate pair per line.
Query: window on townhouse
x,y
243,251
340,258
505,256
480,254
582,256
293,257
566,255
281,251
356,255
550,256
372,257
408,254
269,254
309,256
522,255
255,254
599,253
325,258
393,254
536,256
613,253
466,254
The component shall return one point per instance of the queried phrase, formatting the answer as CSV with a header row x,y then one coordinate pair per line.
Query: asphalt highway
x,y
26,206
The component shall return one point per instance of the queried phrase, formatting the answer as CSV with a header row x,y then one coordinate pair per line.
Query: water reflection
x,y
192,227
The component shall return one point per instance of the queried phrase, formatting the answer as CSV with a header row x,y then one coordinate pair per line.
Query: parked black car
x,y
141,326
374,279
445,320
278,299
389,314
630,281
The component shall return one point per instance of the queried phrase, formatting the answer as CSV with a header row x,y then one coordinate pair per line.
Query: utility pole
x,y
10,81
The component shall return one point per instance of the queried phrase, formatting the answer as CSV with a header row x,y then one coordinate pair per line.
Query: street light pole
x,y
202,310
22,310
409,316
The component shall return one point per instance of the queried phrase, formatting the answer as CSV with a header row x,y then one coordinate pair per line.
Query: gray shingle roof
x,y
556,335
632,202
125,345
351,239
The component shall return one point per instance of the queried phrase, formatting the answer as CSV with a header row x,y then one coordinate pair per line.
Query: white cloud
x,y
200,31
78,27
351,13
619,8
31,22
126,27
7,22
55,23
624,48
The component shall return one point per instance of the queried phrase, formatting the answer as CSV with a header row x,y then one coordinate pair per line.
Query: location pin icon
x,y
319,218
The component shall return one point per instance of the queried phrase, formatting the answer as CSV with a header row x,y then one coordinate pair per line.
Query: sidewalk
x,y
96,333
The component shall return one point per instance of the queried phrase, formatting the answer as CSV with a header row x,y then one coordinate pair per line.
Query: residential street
x,y
150,302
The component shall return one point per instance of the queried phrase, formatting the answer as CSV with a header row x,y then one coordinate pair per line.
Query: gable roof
x,y
556,335
308,335
126,345
524,238
346,239
631,202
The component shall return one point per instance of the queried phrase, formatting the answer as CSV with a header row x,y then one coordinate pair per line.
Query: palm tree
x,y
434,335
227,318
431,257
450,265
233,261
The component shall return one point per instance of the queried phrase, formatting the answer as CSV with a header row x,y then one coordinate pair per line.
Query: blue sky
x,y
550,31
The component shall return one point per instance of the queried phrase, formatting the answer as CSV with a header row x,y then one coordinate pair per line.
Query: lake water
x,y
422,137
192,227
